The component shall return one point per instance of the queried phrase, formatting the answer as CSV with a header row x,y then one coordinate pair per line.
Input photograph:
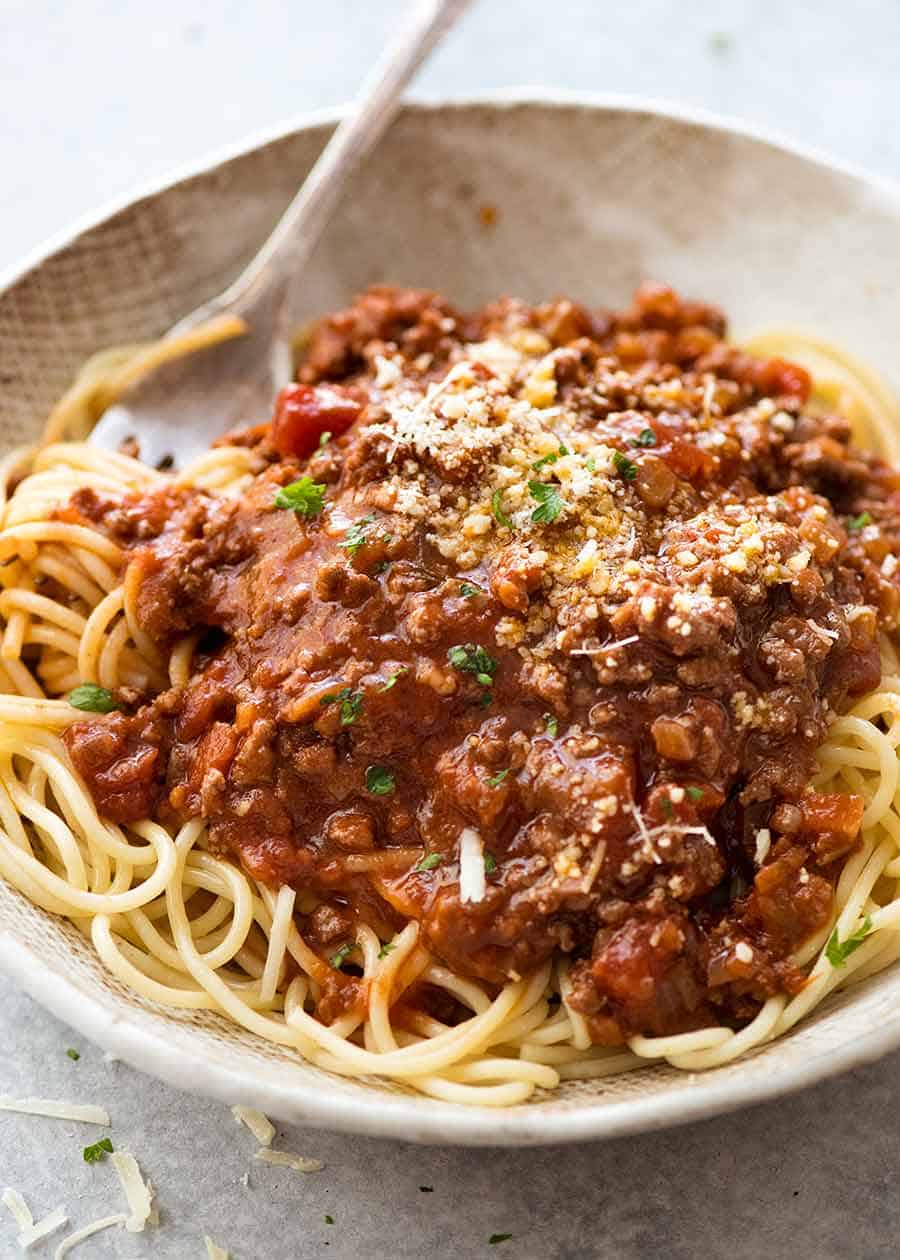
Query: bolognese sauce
x,y
526,627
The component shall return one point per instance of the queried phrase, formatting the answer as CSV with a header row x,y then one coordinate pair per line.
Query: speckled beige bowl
x,y
591,197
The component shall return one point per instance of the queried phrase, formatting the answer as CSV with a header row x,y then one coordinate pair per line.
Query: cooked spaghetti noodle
x,y
176,918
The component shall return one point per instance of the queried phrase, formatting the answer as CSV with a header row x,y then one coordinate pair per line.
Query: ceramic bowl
x,y
587,198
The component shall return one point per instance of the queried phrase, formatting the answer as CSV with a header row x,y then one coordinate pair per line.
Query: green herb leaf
x,y
338,959
386,949
498,1238
304,496
549,499
92,699
356,537
427,1189
837,952
646,437
73,1055
99,1150
324,438
350,701
380,781
625,466
469,590
496,779
429,862
470,658
329,1220
392,680
551,458
667,807
552,725
497,508
490,863
695,793
859,522
590,464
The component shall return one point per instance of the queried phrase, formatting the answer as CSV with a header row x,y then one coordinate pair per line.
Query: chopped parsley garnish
x,y
392,680
427,1189
380,781
496,779
624,466
350,701
646,437
695,793
73,1055
498,1238
338,959
590,464
356,536
429,862
552,725
667,807
386,949
497,508
551,458
99,1150
329,1220
490,863
92,699
470,658
837,952
550,503
304,496
859,522
324,438
469,590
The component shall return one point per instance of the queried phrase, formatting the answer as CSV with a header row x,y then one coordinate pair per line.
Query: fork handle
x,y
265,281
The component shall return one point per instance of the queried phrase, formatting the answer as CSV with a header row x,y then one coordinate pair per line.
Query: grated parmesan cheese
x,y
471,866
763,844
259,1125
86,1113
17,1208
72,1240
43,1228
137,1192
286,1159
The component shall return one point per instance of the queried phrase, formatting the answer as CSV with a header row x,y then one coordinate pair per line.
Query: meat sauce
x,y
590,584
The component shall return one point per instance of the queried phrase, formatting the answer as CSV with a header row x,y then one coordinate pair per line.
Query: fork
x,y
180,406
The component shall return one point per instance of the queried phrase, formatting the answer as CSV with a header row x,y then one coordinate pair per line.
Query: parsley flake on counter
x,y
380,781
338,959
498,1238
624,466
304,496
837,952
99,1150
329,1220
859,522
646,437
470,658
92,699
497,508
392,680
73,1055
427,1189
549,500
350,701
496,779
429,862
356,535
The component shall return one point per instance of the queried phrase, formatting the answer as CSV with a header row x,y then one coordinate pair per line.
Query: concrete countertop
x,y
96,97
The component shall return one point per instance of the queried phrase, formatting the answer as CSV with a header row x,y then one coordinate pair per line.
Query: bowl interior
x,y
587,200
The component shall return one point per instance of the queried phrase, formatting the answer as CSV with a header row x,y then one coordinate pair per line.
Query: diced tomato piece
x,y
304,412
781,377
833,812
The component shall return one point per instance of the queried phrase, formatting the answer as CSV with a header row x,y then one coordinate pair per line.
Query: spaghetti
x,y
176,918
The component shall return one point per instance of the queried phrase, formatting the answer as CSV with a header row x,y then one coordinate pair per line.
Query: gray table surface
x,y
99,95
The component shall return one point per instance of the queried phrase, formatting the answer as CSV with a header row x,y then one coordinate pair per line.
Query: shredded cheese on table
x,y
86,1113
72,1240
259,1125
17,1207
287,1159
212,1251
42,1229
137,1192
